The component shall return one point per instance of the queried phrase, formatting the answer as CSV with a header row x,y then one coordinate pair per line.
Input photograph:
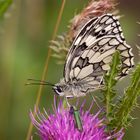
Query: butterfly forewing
x,y
94,29
91,52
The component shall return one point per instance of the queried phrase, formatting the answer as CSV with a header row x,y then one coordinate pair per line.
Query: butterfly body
x,y
90,56
74,88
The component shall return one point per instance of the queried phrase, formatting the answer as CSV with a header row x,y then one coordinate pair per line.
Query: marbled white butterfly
x,y
90,55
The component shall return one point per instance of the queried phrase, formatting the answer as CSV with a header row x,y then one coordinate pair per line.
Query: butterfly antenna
x,y
38,82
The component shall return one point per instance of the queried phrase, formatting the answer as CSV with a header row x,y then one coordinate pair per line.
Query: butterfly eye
x,y
59,89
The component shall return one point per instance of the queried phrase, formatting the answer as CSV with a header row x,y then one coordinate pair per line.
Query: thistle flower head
x,y
61,125
93,9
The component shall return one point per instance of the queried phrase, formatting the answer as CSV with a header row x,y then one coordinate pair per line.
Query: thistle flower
x,y
61,125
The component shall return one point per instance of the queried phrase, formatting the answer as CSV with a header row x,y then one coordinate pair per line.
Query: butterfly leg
x,y
101,82
99,87
68,104
95,101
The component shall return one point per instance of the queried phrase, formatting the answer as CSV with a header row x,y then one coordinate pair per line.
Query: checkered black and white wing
x,y
92,50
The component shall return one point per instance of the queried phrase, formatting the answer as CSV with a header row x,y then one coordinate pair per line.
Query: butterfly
x,y
90,56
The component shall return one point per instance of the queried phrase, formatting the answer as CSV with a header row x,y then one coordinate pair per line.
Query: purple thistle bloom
x,y
61,125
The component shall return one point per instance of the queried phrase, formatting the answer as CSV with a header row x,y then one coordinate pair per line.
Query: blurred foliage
x,y
24,41
60,46
4,5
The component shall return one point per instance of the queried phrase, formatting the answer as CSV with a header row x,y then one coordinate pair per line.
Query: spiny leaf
x,y
128,101
110,81
114,70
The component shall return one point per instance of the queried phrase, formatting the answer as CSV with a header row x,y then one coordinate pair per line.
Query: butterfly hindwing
x,y
95,59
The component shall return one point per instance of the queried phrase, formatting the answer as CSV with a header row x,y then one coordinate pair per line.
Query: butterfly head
x,y
68,90
65,89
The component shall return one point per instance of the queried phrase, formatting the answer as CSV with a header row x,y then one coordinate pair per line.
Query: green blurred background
x,y
25,32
